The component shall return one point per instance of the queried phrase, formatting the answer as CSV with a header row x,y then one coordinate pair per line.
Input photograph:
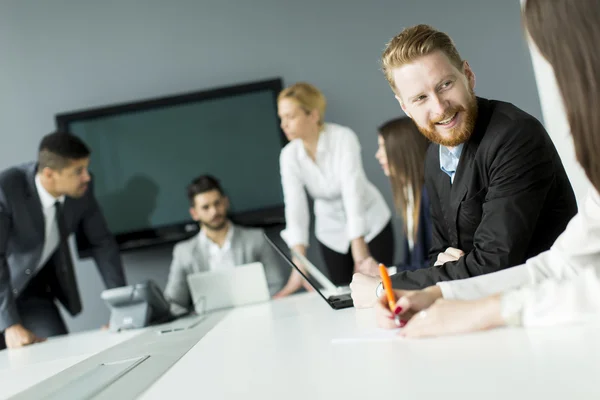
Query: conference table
x,y
299,348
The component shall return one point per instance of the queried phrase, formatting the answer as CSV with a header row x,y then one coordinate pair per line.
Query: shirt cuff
x,y
9,317
446,289
379,290
294,238
511,307
356,228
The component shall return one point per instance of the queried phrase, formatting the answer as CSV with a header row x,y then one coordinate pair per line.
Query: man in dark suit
x,y
499,193
41,204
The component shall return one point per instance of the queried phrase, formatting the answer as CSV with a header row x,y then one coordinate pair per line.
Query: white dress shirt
x,y
51,236
218,257
346,205
561,285
410,209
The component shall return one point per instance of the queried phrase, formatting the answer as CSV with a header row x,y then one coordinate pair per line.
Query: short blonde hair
x,y
412,43
308,98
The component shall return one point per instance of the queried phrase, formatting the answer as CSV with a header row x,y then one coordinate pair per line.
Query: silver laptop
x,y
229,287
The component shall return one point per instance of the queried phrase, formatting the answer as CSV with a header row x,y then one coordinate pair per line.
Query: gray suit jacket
x,y
22,235
248,245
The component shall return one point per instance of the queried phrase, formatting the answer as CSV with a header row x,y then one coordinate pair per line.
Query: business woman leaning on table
x,y
352,220
561,285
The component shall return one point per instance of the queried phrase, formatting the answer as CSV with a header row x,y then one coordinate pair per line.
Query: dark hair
x,y
567,33
58,149
203,184
405,149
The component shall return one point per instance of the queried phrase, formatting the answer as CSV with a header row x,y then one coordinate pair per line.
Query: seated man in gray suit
x,y
220,243
41,204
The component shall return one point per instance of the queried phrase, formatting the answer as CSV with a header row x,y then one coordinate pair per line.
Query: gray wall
x,y
63,55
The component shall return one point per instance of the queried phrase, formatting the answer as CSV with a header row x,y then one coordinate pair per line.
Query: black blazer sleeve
x,y
520,175
8,309
423,257
104,247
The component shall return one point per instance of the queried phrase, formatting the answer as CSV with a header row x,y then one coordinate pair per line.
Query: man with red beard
x,y
219,245
499,193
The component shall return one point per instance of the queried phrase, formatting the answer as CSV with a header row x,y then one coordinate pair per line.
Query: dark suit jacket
x,y
22,237
419,256
510,199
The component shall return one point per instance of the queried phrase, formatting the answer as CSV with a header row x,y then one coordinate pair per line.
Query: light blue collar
x,y
449,158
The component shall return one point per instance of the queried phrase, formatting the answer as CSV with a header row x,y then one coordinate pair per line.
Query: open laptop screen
x,y
309,271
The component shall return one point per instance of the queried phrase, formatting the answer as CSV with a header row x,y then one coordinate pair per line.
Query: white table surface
x,y
25,367
284,349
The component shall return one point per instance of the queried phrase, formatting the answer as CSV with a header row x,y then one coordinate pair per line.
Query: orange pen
x,y
387,286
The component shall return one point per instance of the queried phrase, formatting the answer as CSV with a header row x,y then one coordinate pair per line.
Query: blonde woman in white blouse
x,y
561,285
352,220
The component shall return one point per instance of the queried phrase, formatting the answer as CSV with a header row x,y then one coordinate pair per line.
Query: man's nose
x,y
440,106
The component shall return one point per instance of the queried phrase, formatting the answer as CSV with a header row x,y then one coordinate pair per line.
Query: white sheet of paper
x,y
376,335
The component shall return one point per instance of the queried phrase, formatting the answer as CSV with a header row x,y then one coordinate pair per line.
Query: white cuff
x,y
379,290
511,308
446,289
356,228
292,238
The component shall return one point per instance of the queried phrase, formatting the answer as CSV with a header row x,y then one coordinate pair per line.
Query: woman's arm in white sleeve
x,y
353,186
297,217
485,285
352,180
554,301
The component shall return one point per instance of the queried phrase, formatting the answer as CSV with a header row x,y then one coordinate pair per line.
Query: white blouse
x,y
346,204
561,285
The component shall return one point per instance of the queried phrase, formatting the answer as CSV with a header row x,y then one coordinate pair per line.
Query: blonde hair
x,y
412,43
308,98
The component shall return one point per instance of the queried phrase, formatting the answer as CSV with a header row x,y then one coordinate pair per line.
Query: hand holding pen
x,y
389,295
392,314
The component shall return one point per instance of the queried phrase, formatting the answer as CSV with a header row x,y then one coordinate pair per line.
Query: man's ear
x,y
469,74
193,214
47,172
227,203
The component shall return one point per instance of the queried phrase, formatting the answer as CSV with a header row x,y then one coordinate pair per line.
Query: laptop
x,y
337,297
228,287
